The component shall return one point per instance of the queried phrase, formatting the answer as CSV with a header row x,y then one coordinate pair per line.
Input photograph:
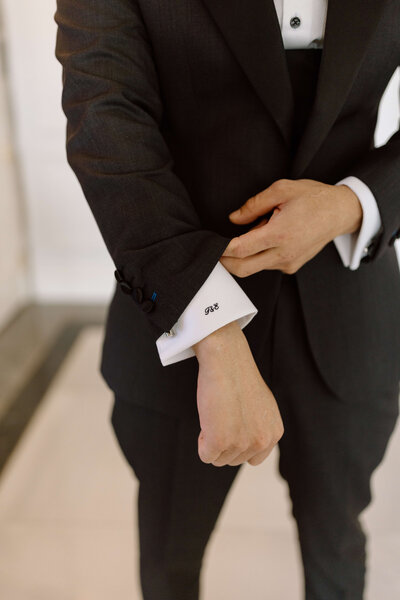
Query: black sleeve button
x,y
124,285
136,292
147,305
118,275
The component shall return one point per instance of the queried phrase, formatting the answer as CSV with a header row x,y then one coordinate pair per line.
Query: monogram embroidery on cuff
x,y
211,308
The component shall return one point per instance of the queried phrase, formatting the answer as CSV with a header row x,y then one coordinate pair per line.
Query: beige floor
x,y
67,510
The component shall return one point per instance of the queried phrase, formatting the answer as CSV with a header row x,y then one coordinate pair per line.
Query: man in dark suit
x,y
178,114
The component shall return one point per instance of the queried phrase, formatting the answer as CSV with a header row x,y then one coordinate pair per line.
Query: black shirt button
x,y
295,22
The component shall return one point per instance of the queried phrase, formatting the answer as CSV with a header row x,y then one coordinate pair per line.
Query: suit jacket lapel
x,y
348,30
251,29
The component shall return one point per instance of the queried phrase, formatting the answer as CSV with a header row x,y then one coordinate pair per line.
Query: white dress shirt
x,y
221,300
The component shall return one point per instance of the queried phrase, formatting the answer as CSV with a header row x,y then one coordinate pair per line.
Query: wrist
x,y
219,340
350,211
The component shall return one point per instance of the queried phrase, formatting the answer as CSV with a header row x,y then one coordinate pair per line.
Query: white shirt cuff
x,y
353,246
219,301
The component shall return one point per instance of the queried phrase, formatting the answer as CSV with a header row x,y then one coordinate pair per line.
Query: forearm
x,y
115,145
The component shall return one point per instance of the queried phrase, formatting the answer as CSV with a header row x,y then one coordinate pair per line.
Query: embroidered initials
x,y
211,308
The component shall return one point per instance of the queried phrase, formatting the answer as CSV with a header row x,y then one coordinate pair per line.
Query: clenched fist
x,y
239,417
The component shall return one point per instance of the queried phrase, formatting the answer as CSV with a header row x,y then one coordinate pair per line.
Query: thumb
x,y
254,207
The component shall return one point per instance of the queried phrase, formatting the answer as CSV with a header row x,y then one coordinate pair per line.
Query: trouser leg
x,y
328,453
179,499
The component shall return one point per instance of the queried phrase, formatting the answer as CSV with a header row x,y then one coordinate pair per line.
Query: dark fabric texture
x,y
177,112
303,67
328,452
179,497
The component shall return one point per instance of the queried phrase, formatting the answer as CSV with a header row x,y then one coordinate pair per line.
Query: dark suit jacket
x,y
180,110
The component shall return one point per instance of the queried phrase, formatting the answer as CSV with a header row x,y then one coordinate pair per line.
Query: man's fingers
x,y
243,267
234,459
257,459
254,241
232,455
254,207
263,202
242,458
226,458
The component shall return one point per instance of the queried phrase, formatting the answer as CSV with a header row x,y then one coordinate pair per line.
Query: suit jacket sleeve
x,y
112,101
379,169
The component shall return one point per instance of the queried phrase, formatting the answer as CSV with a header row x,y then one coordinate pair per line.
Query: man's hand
x,y
239,418
307,215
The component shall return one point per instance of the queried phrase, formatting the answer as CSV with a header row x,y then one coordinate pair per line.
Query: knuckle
x,y
278,435
288,263
259,445
279,185
241,444
261,442
220,443
239,248
234,246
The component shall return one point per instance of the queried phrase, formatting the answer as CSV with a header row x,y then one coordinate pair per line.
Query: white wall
x,y
13,267
68,256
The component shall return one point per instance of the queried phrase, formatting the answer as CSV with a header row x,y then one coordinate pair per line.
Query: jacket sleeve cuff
x,y
352,247
219,301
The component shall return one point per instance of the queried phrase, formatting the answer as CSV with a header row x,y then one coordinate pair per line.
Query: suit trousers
x,y
327,454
